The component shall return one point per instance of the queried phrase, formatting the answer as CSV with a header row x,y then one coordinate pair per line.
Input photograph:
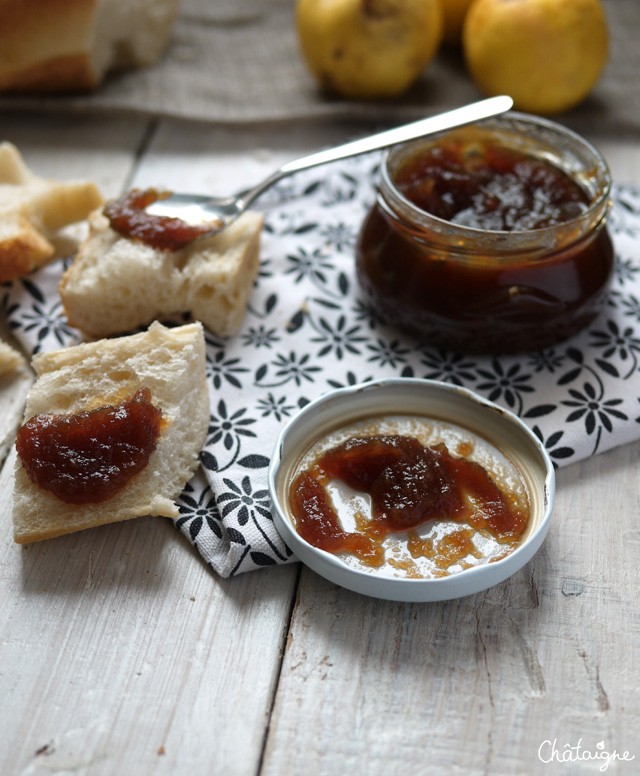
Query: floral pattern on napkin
x,y
306,332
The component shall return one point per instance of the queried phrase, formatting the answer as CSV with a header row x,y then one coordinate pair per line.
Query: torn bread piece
x,y
116,284
33,210
71,45
168,365
10,360
15,378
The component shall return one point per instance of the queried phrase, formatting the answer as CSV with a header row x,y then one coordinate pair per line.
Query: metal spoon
x,y
222,211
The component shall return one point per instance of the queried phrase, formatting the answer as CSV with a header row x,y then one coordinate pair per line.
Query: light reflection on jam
x,y
409,484
490,187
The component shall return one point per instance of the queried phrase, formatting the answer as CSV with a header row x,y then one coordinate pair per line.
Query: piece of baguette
x,y
70,45
33,210
171,364
116,284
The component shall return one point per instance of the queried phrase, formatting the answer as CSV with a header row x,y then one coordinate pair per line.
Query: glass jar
x,y
478,290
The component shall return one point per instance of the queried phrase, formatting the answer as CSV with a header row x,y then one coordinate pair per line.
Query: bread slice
x,y
171,364
56,45
32,210
116,284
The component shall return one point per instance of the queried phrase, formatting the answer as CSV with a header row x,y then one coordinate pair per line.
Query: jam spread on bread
x,y
88,457
129,218
408,484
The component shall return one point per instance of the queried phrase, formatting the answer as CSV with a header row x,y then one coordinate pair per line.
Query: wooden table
x,y
122,653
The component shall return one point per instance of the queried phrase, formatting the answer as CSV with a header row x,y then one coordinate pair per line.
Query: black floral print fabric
x,y
306,332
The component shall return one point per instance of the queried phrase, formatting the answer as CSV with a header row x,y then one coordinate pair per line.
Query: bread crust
x,y
70,45
58,74
23,251
171,364
45,45
33,209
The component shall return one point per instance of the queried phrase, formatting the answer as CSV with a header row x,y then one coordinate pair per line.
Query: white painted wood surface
x,y
121,652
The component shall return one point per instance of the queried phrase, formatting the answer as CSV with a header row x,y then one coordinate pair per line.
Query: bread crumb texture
x,y
33,210
116,284
170,362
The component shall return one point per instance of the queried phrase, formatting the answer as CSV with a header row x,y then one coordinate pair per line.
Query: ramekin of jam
x,y
491,238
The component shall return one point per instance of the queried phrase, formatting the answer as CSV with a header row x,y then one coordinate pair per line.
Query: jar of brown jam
x,y
490,238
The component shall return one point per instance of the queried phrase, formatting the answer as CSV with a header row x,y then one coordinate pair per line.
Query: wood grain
x,y
122,653
119,646
119,643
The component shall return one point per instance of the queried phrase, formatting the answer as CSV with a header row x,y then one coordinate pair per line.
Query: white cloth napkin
x,y
306,332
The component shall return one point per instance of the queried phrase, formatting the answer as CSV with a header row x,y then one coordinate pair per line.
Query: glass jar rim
x,y
520,122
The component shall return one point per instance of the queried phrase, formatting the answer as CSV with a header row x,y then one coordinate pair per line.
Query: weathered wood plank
x,y
120,651
119,646
85,147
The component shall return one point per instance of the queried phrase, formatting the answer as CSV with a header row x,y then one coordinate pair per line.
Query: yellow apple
x,y
546,54
368,49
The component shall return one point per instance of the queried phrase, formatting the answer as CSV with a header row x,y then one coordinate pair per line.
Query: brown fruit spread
x,y
492,187
409,484
466,270
129,218
88,457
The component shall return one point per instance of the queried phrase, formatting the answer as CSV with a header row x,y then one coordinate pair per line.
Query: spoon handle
x,y
457,117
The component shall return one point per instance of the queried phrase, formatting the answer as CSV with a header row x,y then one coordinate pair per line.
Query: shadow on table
x,y
131,554
405,637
